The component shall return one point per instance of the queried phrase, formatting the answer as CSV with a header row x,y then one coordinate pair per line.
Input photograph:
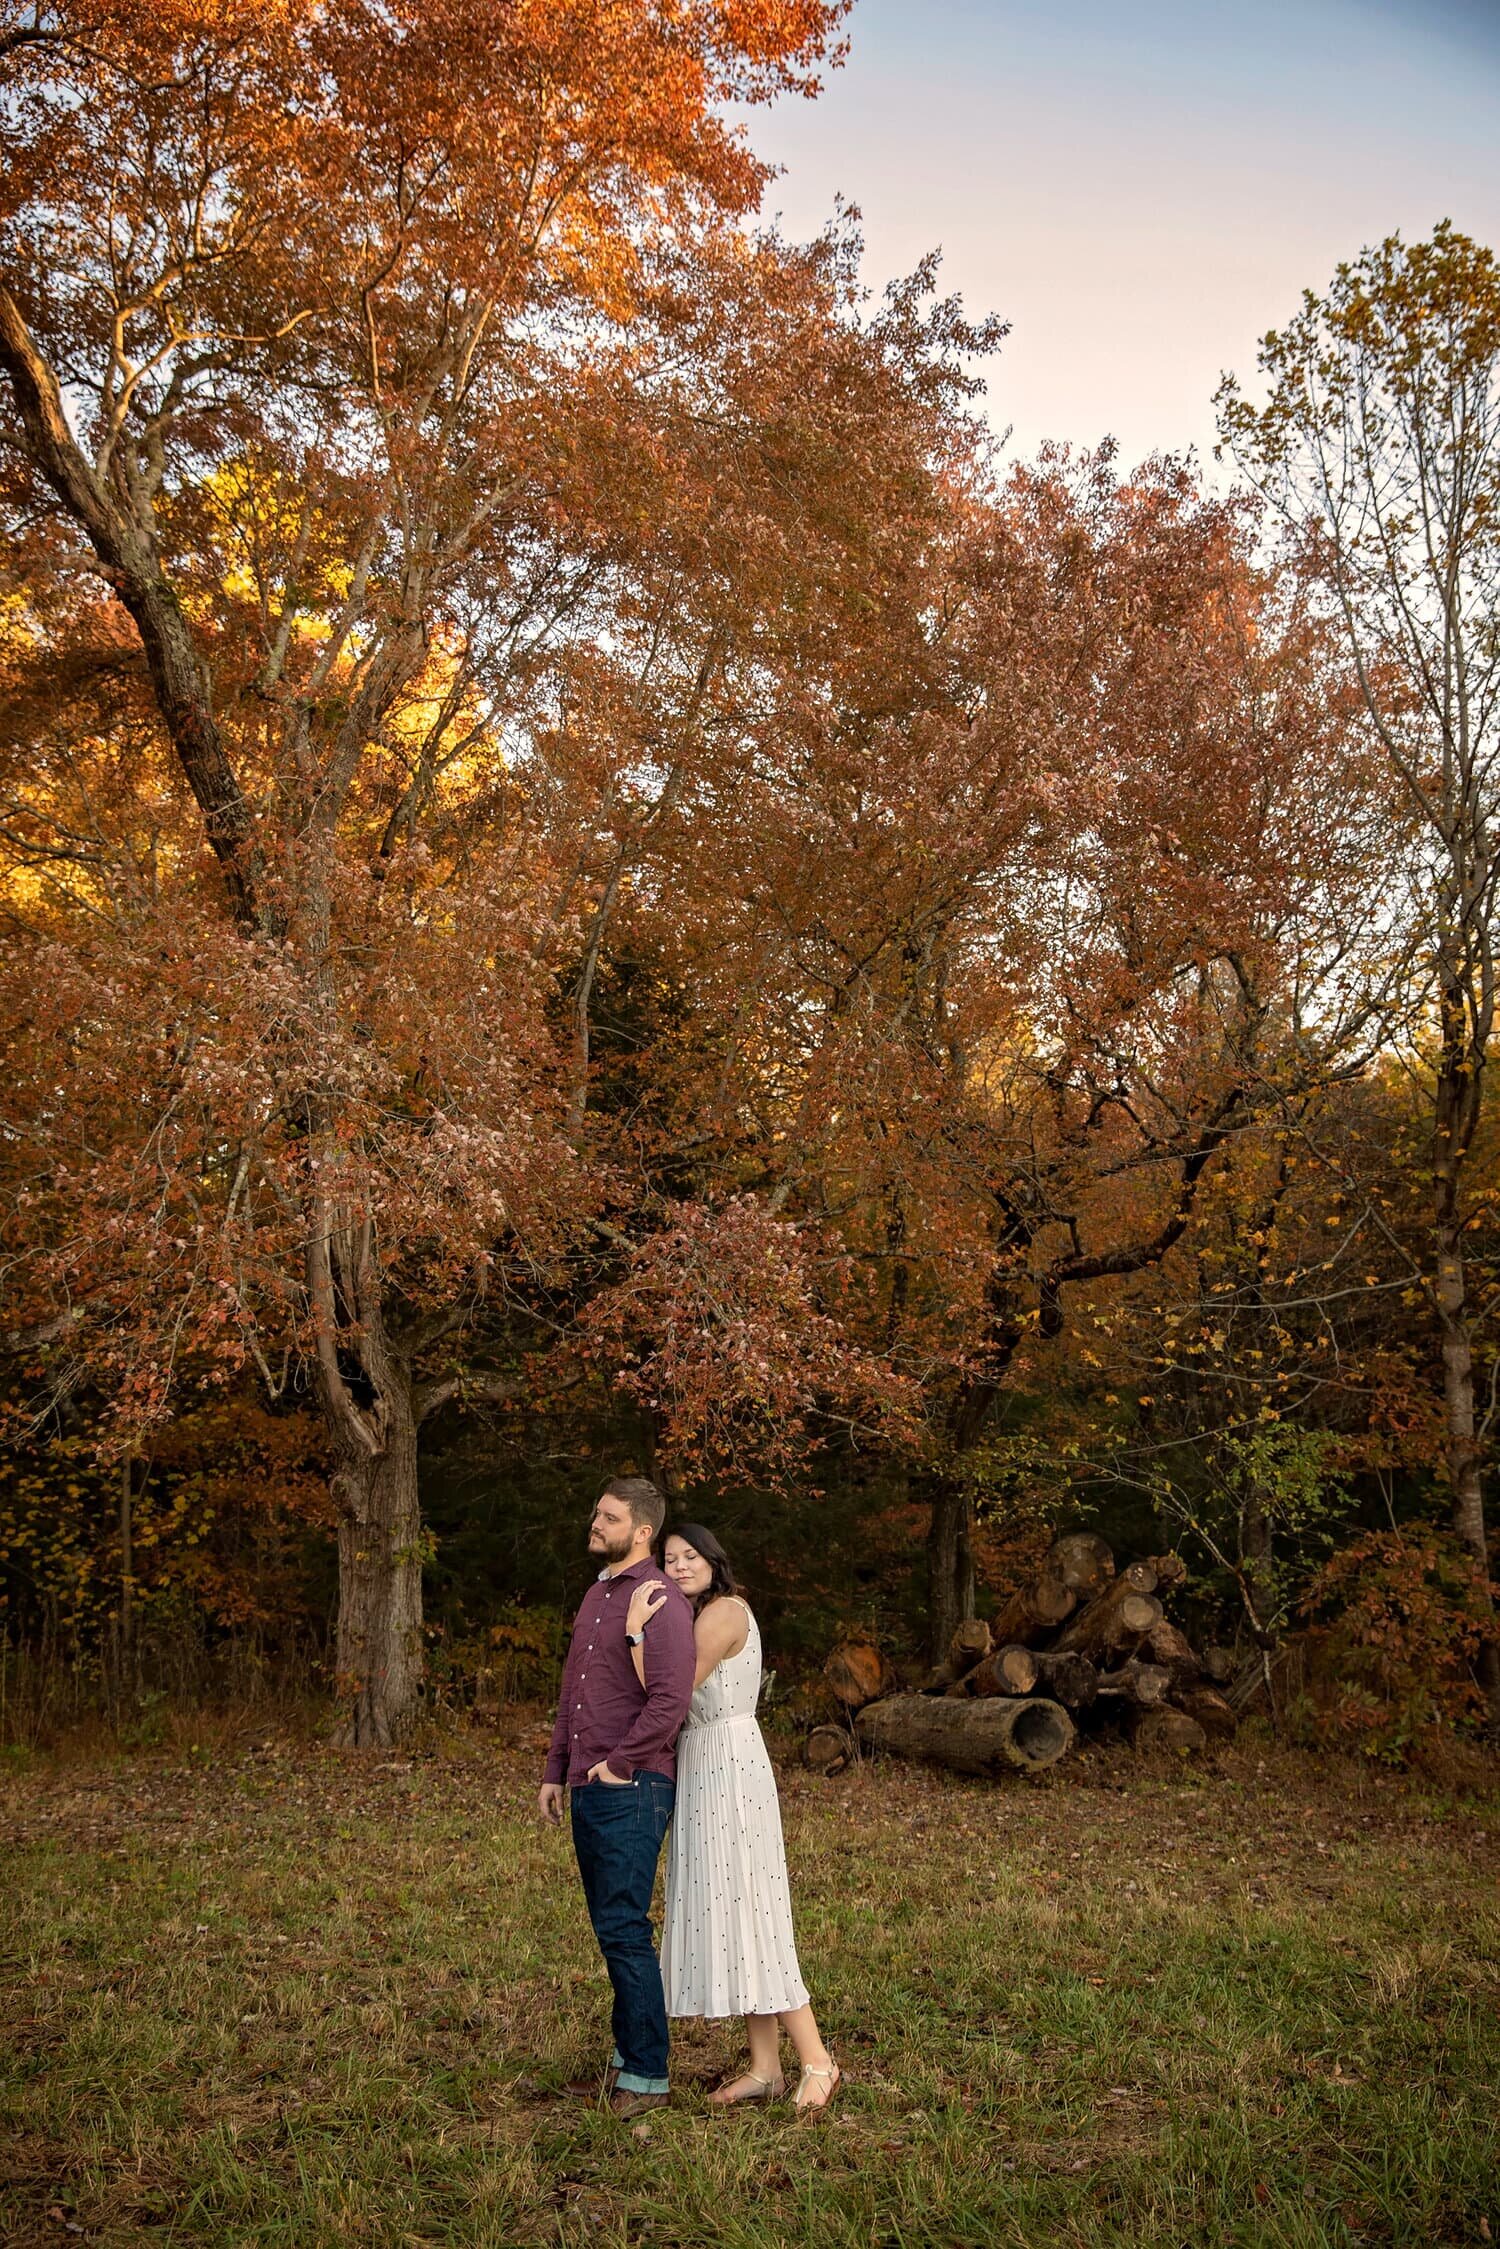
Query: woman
x,y
727,1944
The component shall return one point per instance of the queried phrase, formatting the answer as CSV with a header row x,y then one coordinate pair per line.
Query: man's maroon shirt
x,y
604,1714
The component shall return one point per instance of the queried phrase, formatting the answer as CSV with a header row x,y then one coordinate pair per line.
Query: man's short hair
x,y
641,1496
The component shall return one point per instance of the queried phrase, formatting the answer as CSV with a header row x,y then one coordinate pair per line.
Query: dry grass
x,y
261,1994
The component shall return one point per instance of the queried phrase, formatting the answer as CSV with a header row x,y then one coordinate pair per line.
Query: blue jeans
x,y
617,1834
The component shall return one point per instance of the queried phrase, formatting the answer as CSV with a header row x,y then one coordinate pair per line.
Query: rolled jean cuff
x,y
629,2082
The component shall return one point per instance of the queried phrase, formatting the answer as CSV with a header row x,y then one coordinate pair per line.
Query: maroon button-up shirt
x,y
604,1714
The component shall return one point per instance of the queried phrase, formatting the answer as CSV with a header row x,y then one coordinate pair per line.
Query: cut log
x,y
1166,1732
1219,1665
1034,1612
1143,1685
1072,1680
1172,1649
1209,1707
857,1673
1114,1623
828,1749
1139,1576
1170,1570
986,1735
1081,1562
959,1690
1009,1671
969,1645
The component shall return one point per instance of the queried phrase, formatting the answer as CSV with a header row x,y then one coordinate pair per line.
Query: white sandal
x,y
766,2089
835,2078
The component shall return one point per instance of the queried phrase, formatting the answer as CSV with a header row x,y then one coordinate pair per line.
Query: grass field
x,y
261,1994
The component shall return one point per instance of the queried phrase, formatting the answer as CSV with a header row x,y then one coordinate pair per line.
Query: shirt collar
x,y
621,1577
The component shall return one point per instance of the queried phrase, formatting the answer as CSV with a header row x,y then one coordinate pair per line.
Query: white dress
x,y
726,1944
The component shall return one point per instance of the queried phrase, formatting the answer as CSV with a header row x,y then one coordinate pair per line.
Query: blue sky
x,y
1143,189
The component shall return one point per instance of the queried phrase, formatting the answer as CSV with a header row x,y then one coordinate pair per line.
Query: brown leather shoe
x,y
635,2104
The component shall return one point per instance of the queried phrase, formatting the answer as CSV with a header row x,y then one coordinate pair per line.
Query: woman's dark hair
x,y
704,1543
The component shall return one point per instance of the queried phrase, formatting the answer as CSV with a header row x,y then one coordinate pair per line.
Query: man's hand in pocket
x,y
602,1772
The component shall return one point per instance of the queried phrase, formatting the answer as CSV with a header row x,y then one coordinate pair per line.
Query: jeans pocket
x,y
657,1799
601,1801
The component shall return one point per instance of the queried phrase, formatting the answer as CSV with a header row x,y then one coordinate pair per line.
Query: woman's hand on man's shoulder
x,y
644,1603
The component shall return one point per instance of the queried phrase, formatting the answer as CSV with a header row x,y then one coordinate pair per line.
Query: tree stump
x,y
983,1735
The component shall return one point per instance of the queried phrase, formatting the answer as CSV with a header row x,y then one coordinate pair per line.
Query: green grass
x,y
276,1997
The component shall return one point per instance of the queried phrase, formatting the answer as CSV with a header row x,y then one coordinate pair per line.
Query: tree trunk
x,y
1461,1444
1113,1624
1174,1652
380,1585
1009,1671
986,1736
127,1567
1081,1562
970,1642
1142,1685
1035,1610
950,1567
1071,1680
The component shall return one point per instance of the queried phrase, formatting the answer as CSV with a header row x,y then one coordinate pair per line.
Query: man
x,y
614,1745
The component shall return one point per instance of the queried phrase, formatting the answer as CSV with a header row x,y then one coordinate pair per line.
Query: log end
x,y
857,1673
827,1750
1041,1734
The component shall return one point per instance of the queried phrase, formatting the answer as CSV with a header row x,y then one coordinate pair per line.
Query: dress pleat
x,y
727,1943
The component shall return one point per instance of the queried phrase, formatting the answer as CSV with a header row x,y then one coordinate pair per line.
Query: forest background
x,y
592,879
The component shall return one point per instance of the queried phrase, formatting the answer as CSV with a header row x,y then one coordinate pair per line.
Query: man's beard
x,y
614,1545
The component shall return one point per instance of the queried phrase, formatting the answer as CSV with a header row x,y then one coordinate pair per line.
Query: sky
x,y
1142,187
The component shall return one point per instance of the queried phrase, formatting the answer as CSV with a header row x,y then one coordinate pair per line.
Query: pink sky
x,y
1142,190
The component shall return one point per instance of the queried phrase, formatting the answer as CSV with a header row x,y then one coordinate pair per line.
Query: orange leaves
x,y
717,1329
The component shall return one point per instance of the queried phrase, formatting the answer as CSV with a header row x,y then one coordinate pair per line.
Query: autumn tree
x,y
316,329
1379,443
1048,899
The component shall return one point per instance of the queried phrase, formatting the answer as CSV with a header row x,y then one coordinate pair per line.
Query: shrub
x,y
1397,1618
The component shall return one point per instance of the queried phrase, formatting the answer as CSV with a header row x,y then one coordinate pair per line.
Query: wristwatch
x,y
635,1639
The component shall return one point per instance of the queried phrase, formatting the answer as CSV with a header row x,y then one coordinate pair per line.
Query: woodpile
x,y
1087,1645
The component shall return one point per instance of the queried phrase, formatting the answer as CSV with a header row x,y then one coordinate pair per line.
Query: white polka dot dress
x,y
727,1946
